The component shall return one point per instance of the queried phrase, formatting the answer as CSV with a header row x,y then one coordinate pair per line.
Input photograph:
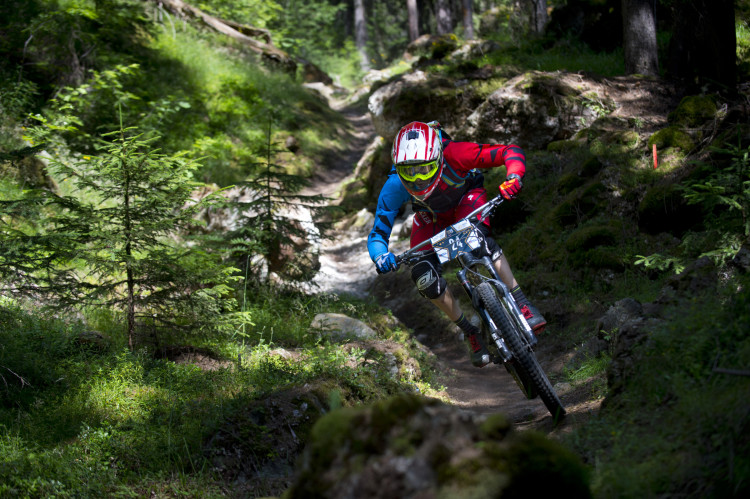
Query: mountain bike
x,y
506,332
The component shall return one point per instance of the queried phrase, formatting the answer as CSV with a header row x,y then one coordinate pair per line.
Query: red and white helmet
x,y
418,156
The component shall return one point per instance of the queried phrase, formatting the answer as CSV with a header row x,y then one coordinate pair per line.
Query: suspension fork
x,y
515,313
466,261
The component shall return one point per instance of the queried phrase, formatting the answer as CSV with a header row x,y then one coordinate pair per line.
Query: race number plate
x,y
455,240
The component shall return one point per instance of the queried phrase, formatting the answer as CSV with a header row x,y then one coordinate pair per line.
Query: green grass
x,y
92,420
564,55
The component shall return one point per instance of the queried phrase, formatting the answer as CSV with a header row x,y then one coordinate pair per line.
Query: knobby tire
x,y
526,361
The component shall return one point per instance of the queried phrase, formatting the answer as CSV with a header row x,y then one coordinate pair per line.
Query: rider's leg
x,y
471,200
449,305
427,275
506,274
532,314
480,356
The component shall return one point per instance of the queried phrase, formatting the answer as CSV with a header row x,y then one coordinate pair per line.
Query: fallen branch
x,y
23,381
235,31
249,30
735,372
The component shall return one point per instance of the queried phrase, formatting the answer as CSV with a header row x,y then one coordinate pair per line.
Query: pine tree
x,y
114,241
278,222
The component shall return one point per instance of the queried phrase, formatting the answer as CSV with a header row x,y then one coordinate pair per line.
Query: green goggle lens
x,y
412,173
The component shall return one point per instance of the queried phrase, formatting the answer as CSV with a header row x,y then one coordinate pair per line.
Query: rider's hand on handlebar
x,y
510,187
385,263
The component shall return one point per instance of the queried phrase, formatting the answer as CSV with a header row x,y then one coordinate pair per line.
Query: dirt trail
x,y
346,268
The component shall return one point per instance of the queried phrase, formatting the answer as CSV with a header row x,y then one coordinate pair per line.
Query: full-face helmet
x,y
418,156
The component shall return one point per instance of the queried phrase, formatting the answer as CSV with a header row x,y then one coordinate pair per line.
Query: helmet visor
x,y
419,172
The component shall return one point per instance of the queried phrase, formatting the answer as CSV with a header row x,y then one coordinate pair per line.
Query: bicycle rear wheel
x,y
526,365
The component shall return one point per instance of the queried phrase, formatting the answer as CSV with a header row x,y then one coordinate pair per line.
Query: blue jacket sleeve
x,y
392,196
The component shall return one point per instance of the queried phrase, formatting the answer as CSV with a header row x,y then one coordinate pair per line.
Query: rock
x,y
387,116
292,144
741,260
414,447
433,46
665,209
693,111
609,337
625,358
418,96
697,278
627,324
619,314
340,327
312,73
363,219
473,49
405,230
672,136
535,109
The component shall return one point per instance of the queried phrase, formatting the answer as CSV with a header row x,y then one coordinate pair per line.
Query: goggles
x,y
413,173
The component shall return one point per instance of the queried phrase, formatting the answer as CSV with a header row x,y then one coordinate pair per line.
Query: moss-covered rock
x,y
535,108
563,145
693,111
411,446
664,209
433,46
595,246
580,204
672,136
591,166
590,236
354,196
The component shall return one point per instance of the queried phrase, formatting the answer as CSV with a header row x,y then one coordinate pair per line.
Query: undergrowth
x,y
82,416
680,424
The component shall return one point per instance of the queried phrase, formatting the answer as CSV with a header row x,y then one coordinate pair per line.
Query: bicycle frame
x,y
469,263
512,336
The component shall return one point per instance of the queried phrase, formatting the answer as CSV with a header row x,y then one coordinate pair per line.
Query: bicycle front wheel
x,y
526,364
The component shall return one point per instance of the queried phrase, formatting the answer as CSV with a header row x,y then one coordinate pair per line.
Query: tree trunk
x,y
529,17
703,46
639,34
130,278
539,16
443,17
468,19
411,8
360,33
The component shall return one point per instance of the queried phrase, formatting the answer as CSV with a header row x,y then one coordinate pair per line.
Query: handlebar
x,y
485,210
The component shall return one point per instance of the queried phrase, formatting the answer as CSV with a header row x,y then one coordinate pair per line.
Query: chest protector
x,y
451,188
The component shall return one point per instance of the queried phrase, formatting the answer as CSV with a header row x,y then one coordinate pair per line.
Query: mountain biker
x,y
440,178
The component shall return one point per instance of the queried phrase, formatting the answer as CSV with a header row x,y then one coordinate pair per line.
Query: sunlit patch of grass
x,y
592,374
591,367
742,33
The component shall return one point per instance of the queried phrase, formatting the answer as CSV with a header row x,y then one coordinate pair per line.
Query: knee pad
x,y
428,278
490,246
493,249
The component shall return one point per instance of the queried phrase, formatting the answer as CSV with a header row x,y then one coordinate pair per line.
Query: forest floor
x,y
346,268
